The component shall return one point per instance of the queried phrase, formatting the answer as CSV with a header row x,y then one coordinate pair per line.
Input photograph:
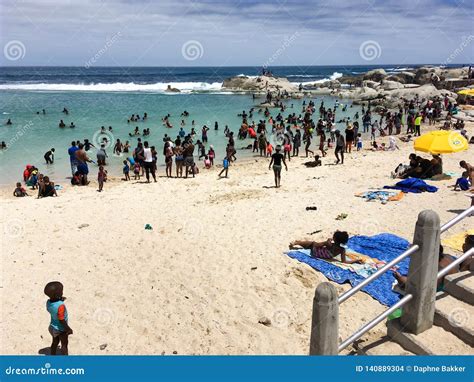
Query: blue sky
x,y
230,33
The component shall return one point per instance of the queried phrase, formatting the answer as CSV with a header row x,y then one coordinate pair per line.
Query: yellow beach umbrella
x,y
469,92
441,142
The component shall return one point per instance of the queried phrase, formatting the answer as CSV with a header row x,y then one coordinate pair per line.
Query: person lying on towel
x,y
328,249
443,261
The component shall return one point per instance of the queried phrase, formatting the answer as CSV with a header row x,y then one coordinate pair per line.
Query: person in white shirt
x,y
148,162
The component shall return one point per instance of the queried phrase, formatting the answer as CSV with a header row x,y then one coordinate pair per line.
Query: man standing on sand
x,y
72,157
82,160
340,143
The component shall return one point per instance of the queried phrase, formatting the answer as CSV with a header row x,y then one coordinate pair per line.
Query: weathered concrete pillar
x,y
325,321
418,314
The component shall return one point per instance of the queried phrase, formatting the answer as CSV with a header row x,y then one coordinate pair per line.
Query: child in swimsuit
x,y
101,178
126,170
328,249
136,171
58,327
19,191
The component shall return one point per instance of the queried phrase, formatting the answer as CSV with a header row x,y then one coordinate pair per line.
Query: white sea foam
x,y
332,77
185,87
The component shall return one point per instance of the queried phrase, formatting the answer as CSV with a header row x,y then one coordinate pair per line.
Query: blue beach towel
x,y
414,185
383,247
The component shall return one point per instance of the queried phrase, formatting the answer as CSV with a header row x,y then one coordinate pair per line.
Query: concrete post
x,y
418,313
325,321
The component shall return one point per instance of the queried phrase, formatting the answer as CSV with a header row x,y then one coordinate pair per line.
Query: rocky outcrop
x,y
259,84
363,93
375,75
333,84
390,85
424,91
402,77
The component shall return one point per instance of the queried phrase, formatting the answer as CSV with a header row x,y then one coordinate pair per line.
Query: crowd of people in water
x,y
276,136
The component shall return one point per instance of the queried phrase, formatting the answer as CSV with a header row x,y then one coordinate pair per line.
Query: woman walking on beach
x,y
276,161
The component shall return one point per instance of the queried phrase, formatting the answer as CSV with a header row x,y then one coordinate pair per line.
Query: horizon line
x,y
227,66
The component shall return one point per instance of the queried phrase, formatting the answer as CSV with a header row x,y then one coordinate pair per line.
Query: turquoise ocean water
x,y
31,134
98,97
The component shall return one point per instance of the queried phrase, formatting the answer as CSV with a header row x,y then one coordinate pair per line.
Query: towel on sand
x,y
413,185
381,248
383,196
456,241
369,265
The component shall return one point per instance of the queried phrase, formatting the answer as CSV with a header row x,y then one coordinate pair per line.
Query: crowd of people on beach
x,y
275,136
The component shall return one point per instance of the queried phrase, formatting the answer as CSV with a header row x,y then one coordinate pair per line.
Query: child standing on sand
x,y
211,154
58,327
126,170
359,142
136,170
101,178
226,164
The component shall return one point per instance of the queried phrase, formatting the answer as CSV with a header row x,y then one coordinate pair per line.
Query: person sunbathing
x,y
328,249
314,163
443,261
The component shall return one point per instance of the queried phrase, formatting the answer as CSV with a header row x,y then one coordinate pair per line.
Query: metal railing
x,y
365,328
399,258
443,272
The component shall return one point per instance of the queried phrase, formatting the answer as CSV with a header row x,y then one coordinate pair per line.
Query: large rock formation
x,y
259,84
375,75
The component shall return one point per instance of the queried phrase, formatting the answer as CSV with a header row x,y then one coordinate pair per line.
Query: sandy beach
x,y
213,265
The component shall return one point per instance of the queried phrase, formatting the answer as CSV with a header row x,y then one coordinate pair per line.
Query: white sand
x,y
188,285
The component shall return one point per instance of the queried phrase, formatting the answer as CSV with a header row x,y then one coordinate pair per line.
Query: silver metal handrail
x,y
457,219
377,274
443,272
405,254
365,328
377,320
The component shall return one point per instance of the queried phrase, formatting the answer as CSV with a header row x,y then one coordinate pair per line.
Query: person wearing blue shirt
x,y
72,157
